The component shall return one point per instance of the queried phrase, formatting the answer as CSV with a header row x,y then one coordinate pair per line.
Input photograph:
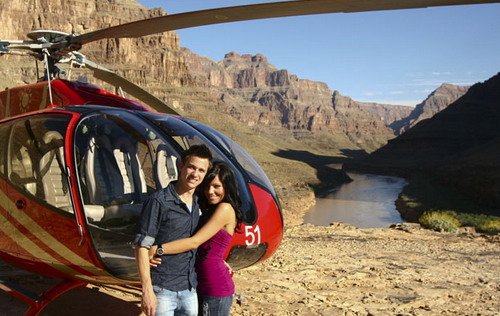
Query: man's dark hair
x,y
200,151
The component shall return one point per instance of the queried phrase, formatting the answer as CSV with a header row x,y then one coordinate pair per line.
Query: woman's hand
x,y
154,260
231,272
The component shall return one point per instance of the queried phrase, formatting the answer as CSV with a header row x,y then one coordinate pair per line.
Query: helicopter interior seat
x,y
134,183
54,182
134,188
94,199
22,170
114,179
165,169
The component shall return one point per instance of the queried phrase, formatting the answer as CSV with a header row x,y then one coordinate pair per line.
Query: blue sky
x,y
395,57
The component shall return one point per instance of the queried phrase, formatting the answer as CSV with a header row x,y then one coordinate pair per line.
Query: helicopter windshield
x,y
246,161
121,158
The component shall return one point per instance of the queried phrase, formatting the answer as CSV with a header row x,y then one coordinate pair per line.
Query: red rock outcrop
x,y
155,58
388,113
437,101
257,93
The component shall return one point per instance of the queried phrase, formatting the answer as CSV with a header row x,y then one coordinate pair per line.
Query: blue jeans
x,y
215,306
176,303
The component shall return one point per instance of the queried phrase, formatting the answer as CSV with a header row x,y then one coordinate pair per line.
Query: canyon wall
x,y
247,87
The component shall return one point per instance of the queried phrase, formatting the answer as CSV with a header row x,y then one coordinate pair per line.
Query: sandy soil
x,y
334,270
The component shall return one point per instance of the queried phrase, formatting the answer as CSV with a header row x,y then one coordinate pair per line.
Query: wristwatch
x,y
160,251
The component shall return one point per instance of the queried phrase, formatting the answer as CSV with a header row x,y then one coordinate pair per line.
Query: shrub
x,y
491,227
439,221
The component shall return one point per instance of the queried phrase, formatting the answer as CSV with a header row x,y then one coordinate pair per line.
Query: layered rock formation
x,y
254,91
437,101
153,61
246,87
388,113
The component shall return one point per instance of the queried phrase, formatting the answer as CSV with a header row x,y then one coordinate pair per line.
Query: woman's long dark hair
x,y
231,195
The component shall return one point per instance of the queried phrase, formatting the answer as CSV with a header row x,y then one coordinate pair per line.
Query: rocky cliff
x,y
253,90
437,101
244,86
457,147
388,113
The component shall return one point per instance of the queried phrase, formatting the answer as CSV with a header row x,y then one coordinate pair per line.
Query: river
x,y
366,202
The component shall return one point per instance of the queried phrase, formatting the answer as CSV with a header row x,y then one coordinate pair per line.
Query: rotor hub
x,y
47,36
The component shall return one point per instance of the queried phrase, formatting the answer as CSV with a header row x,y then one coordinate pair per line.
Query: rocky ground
x,y
342,270
336,270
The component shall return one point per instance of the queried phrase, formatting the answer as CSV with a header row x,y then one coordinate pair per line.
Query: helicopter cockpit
x,y
122,157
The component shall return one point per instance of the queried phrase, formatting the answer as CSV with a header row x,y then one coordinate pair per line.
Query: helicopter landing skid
x,y
37,303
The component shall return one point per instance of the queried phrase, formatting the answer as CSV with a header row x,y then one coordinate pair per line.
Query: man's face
x,y
193,171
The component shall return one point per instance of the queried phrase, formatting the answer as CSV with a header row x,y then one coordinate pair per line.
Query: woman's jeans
x,y
176,303
215,306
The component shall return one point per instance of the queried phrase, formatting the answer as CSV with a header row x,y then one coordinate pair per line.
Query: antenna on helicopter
x,y
48,74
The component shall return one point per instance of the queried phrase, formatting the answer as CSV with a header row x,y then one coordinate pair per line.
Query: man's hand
x,y
149,302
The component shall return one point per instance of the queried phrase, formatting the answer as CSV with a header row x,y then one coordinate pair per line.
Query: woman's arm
x,y
222,216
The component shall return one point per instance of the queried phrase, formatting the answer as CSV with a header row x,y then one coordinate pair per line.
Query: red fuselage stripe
x,y
44,246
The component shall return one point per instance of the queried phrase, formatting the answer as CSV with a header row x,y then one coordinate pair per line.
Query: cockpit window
x,y
36,163
246,161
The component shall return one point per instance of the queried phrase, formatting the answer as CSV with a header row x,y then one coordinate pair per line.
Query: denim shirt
x,y
164,218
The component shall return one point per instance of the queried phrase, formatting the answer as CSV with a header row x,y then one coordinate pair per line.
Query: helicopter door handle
x,y
70,188
20,204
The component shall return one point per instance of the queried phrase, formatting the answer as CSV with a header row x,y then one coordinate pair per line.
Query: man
x,y
170,214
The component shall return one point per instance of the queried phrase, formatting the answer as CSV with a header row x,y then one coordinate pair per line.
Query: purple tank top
x,y
213,275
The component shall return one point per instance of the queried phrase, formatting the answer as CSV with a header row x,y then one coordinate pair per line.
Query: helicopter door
x,y
115,162
36,164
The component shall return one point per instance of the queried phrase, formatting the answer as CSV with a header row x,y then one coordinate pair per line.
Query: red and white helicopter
x,y
77,162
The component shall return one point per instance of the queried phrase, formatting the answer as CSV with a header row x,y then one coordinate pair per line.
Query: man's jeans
x,y
215,306
170,303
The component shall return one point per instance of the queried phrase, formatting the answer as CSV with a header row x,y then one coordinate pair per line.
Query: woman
x,y
221,216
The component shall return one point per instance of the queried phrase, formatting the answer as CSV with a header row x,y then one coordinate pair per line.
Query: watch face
x,y
160,251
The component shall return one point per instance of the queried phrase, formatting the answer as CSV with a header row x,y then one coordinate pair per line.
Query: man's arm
x,y
149,301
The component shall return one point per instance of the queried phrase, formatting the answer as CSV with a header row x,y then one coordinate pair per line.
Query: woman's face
x,y
215,191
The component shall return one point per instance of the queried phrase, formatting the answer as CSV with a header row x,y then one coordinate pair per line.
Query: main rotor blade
x,y
113,78
257,11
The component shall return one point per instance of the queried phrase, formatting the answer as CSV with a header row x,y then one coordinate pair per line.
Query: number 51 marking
x,y
252,233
